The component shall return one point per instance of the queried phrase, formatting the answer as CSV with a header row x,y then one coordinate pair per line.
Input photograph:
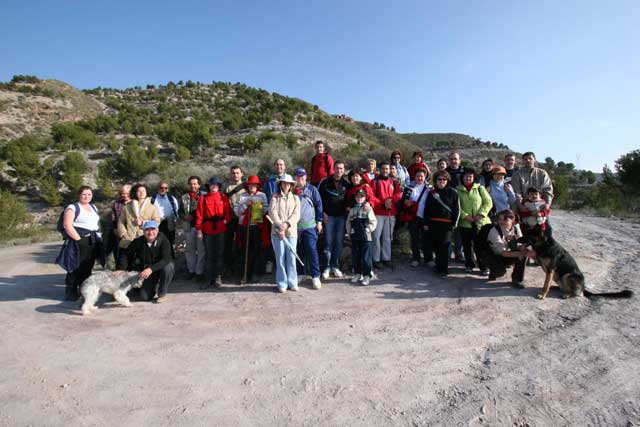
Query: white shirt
x,y
164,206
87,219
415,195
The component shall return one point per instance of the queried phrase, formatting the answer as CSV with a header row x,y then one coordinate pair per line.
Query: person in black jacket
x,y
440,216
150,254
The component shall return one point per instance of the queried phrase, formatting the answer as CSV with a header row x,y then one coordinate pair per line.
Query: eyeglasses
x,y
442,179
164,188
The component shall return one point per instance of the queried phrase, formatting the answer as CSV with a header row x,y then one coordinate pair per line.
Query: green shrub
x,y
22,157
71,136
182,153
12,213
49,192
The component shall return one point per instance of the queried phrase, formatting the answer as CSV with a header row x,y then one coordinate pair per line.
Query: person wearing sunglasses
x,y
167,206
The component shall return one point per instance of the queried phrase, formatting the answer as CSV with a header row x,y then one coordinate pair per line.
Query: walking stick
x,y
287,244
246,248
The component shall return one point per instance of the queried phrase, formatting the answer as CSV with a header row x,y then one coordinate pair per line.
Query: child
x,y
361,222
535,210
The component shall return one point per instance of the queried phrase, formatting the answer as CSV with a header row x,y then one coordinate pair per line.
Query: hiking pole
x,y
287,244
246,248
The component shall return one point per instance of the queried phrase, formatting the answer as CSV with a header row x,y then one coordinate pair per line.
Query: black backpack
x,y
60,224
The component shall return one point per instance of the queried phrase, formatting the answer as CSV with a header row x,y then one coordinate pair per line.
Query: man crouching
x,y
150,254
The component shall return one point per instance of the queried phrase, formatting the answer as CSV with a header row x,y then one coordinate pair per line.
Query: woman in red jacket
x,y
212,216
418,163
358,183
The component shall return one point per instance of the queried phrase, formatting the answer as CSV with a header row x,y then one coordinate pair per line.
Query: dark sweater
x,y
334,196
435,212
141,256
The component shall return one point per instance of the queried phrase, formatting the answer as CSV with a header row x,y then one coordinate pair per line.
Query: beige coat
x,y
285,209
524,178
128,229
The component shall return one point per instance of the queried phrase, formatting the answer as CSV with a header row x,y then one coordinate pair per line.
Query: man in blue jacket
x,y
310,224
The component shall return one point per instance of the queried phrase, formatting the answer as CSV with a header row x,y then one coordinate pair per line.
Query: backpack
x,y
481,244
60,224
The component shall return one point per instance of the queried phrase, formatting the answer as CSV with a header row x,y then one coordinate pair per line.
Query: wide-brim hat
x,y
214,181
498,170
286,178
253,179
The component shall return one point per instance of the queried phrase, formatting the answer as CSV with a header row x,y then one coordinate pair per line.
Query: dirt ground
x,y
411,349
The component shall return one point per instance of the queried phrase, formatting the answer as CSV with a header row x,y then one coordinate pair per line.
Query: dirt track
x,y
411,349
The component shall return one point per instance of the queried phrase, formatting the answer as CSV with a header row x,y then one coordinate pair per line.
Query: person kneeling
x,y
361,223
499,248
150,254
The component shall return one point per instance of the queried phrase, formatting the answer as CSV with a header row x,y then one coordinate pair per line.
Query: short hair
x,y
532,190
417,153
395,153
134,189
469,171
163,181
318,142
372,160
279,160
508,213
510,155
443,174
84,188
236,167
126,188
487,160
420,170
528,153
453,153
355,171
385,163
339,162
197,178
442,159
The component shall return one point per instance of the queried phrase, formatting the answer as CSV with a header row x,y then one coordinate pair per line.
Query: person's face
x,y
528,161
372,166
534,197
467,178
417,159
194,185
279,167
385,170
85,196
393,171
163,188
441,182
360,199
320,148
214,188
505,221
442,165
487,166
356,179
253,188
236,175
396,158
339,171
454,160
510,162
125,195
141,193
497,177
151,234
285,187
301,180
420,177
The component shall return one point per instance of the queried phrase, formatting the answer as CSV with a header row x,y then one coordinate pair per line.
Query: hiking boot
x,y
161,299
415,263
218,282
315,282
356,278
336,273
365,280
517,284
325,274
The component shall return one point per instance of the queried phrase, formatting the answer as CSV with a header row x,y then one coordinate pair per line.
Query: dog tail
x,y
627,293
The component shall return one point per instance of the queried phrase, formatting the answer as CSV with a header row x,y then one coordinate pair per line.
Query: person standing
x,y
132,219
309,226
485,174
333,193
355,177
403,176
194,251
361,223
441,214
531,176
284,211
441,165
81,224
269,187
212,217
388,193
233,191
510,165
321,164
150,254
371,172
475,205
250,210
414,198
455,171
167,207
500,191
116,210
418,163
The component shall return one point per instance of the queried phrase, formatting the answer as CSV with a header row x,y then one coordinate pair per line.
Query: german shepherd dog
x,y
558,264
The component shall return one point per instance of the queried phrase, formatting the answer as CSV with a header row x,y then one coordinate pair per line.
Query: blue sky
x,y
558,78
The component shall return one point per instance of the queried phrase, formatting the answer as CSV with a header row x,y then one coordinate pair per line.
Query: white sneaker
x,y
293,289
316,283
268,268
414,264
365,281
336,273
356,278
282,290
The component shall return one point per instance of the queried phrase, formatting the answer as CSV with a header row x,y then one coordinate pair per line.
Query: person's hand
x,y
139,222
319,227
408,203
199,234
144,274
388,204
508,188
469,218
281,234
367,208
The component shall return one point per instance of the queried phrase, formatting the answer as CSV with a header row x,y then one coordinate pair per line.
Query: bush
x,y
22,157
12,213
182,154
49,192
69,136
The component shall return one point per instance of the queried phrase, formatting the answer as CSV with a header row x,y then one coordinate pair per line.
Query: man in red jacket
x,y
321,164
212,216
388,193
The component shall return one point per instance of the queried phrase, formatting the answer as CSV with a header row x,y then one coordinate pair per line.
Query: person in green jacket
x,y
475,204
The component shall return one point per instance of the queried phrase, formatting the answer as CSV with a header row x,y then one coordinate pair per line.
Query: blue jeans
x,y
308,251
334,237
286,274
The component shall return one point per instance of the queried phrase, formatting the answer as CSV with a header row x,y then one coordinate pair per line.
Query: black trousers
x,y
88,251
170,233
230,249
361,257
159,281
420,241
468,245
255,251
498,264
440,234
213,256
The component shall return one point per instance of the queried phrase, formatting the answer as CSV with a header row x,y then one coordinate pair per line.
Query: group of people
x,y
289,221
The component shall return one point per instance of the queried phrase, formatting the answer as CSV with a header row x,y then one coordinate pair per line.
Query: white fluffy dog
x,y
116,283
